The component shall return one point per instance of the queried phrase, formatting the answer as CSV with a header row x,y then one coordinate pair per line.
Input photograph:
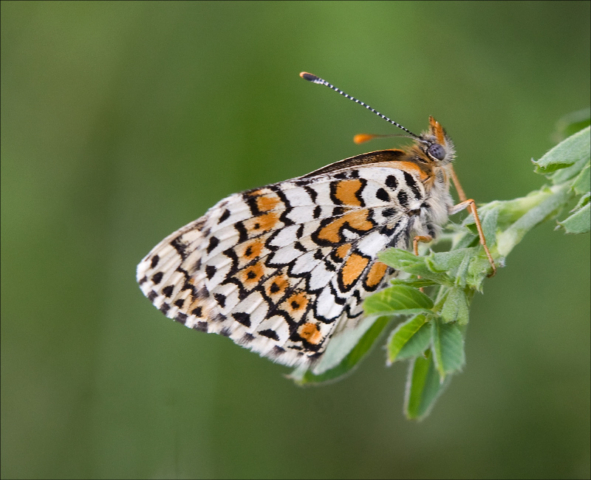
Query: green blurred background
x,y
122,122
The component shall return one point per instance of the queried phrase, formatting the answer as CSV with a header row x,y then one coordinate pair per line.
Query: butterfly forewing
x,y
283,268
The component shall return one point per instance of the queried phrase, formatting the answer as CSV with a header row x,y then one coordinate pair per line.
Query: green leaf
x,y
415,265
448,347
340,345
409,339
510,211
489,222
465,266
479,269
489,215
552,168
466,240
413,282
397,300
448,261
549,207
462,271
568,173
578,222
582,184
456,308
303,376
422,388
584,200
568,152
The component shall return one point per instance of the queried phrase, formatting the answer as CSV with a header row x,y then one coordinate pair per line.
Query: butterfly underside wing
x,y
283,269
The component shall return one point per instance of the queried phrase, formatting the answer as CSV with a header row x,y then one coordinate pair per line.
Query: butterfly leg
x,y
471,206
422,239
415,247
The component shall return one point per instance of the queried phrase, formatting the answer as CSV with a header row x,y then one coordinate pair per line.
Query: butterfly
x,y
285,268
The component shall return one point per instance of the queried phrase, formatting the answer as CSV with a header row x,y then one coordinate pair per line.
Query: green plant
x,y
432,336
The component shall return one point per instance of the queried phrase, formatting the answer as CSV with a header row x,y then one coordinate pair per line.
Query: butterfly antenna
x,y
320,81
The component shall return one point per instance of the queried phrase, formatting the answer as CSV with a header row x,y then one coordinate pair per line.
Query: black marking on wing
x,y
382,195
154,262
201,326
210,271
242,233
310,191
180,247
164,308
277,352
224,216
269,334
288,208
411,182
220,299
179,303
246,339
403,198
391,182
213,242
242,317
157,278
300,247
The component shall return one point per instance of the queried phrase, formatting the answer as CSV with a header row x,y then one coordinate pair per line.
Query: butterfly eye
x,y
436,151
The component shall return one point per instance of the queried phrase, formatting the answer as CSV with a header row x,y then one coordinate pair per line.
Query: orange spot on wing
x,y
376,273
262,223
347,190
266,203
297,302
410,167
253,250
353,268
437,130
310,333
343,250
253,274
357,220
277,285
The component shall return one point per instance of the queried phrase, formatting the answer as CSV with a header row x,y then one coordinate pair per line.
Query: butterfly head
x,y
436,144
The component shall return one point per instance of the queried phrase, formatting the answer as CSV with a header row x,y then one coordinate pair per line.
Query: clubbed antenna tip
x,y
320,81
309,77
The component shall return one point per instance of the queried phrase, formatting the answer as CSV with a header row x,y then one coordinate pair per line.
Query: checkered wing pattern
x,y
283,268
